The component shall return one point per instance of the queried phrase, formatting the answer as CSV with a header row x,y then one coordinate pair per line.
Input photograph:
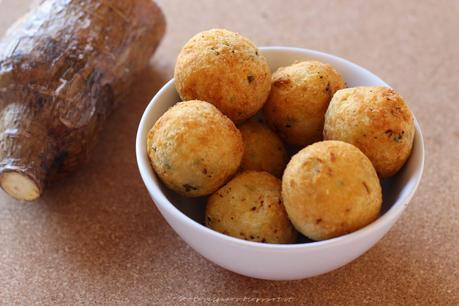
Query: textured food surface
x,y
97,238
226,69
250,207
330,188
376,120
263,149
299,98
194,148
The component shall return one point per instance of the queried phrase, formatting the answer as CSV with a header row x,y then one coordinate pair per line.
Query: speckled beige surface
x,y
96,238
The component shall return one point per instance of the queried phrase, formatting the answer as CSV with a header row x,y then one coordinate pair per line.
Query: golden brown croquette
x,y
377,121
194,148
225,69
299,98
263,149
250,207
330,188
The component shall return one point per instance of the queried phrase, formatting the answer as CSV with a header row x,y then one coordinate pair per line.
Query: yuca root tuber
x,y
62,68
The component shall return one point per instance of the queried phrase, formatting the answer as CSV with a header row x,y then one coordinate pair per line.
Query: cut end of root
x,y
19,186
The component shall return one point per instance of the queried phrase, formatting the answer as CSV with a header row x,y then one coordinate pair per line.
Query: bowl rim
x,y
161,200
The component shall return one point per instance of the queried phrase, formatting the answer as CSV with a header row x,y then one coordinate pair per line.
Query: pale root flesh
x,y
19,186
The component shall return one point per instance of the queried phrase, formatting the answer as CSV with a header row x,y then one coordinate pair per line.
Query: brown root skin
x,y
58,86
26,152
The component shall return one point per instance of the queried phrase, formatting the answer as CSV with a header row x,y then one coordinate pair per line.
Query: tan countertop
x,y
96,238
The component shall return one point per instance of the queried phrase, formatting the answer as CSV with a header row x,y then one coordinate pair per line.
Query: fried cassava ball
x,y
250,207
377,121
225,69
330,188
263,149
299,98
194,148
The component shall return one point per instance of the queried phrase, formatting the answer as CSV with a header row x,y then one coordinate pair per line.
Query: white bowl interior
x,y
397,190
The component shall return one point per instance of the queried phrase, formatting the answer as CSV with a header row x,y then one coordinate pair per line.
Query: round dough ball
x,y
377,121
330,188
299,97
225,69
250,207
194,148
263,149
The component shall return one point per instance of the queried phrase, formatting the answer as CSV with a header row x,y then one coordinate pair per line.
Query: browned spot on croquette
x,y
318,220
253,208
281,82
327,89
332,156
396,111
204,171
189,187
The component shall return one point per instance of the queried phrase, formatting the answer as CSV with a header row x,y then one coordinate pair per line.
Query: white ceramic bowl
x,y
271,261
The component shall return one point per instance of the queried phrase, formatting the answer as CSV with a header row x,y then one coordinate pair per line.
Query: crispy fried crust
x,y
376,120
225,69
330,188
263,149
194,148
299,98
250,207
